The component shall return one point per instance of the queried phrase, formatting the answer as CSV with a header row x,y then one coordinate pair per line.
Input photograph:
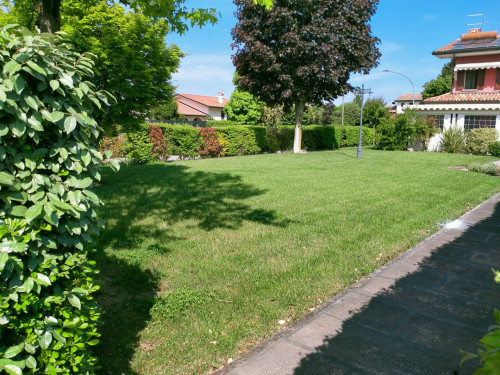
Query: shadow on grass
x,y
141,203
419,323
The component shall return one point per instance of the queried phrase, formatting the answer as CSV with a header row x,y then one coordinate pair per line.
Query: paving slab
x,y
412,316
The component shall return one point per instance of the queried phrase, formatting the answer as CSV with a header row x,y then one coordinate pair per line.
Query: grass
x,y
201,259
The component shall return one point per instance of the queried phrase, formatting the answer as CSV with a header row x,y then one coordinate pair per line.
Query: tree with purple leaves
x,y
303,51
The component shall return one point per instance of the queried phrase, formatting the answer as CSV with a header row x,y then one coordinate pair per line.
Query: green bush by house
x,y
479,140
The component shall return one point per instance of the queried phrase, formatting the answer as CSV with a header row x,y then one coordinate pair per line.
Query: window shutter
x,y
480,79
497,84
461,80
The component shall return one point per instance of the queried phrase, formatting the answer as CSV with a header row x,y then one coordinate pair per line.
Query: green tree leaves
x,y
243,108
48,157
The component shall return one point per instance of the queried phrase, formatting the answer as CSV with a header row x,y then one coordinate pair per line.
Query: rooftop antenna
x,y
477,27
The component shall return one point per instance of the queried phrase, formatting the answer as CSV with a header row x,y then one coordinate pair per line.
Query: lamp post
x,y
363,91
412,86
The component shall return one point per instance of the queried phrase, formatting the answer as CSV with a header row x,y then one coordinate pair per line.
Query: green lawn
x,y
241,243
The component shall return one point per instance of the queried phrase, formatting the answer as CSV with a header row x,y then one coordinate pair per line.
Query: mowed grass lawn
x,y
201,259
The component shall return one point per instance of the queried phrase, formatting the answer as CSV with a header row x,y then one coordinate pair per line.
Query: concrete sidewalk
x,y
412,316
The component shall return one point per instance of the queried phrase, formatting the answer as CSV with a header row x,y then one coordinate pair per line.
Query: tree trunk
x,y
299,113
49,15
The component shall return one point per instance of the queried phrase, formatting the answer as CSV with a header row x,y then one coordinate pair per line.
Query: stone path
x,y
412,316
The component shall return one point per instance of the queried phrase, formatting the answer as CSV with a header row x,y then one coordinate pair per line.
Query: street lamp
x,y
412,86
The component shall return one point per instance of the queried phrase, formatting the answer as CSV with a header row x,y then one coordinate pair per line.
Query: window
x,y
438,121
471,80
222,115
473,122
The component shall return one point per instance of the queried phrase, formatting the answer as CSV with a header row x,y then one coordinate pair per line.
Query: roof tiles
x,y
472,97
210,101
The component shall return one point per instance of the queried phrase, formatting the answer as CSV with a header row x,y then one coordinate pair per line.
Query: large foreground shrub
x,y
454,140
48,161
478,140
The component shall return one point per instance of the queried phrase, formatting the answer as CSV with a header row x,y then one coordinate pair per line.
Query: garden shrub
x,y
211,146
494,148
478,140
454,140
243,140
286,135
157,140
182,140
273,143
349,136
115,145
315,138
48,162
140,147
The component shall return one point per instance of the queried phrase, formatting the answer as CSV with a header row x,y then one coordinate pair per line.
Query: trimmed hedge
x,y
188,141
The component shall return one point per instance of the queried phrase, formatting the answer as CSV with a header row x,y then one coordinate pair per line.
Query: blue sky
x,y
409,32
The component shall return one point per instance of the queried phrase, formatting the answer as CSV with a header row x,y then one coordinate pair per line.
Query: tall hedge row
x,y
187,141
47,165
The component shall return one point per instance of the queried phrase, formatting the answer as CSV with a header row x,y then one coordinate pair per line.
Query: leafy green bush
x,y
48,162
140,147
454,140
349,136
273,144
243,140
489,355
494,148
183,140
478,140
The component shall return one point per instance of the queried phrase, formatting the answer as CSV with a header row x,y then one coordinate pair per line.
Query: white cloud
x,y
205,74
430,17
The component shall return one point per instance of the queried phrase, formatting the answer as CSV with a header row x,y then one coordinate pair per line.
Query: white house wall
x,y
215,113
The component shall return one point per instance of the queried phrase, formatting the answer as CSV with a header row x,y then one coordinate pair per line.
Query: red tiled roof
x,y
447,47
470,97
186,110
210,101
406,97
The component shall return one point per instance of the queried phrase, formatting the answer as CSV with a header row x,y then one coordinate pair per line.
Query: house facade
x,y
474,99
200,107
406,100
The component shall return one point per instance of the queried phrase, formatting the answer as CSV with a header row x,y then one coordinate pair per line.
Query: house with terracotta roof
x,y
405,100
474,99
200,107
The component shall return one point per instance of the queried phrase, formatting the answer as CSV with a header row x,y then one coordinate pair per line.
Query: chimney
x,y
478,34
221,97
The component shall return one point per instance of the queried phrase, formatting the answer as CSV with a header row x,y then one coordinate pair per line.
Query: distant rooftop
x,y
408,97
474,40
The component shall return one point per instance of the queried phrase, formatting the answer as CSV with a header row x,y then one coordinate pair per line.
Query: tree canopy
x,y
46,14
302,51
441,84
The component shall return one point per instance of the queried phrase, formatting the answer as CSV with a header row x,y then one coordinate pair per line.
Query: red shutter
x,y
461,80
497,83
480,79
